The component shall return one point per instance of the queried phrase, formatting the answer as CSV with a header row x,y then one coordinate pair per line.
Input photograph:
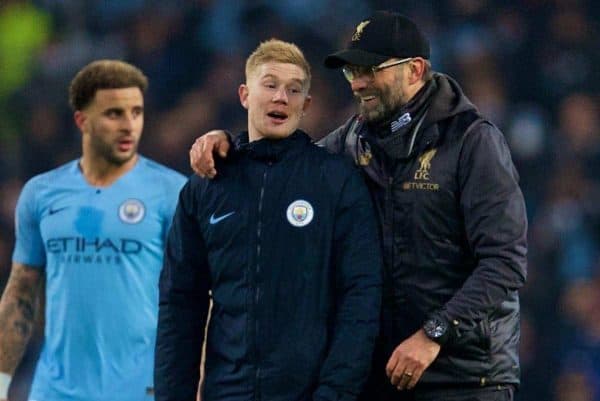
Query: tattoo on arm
x,y
17,314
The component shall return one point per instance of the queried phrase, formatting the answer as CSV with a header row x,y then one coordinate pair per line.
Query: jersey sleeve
x,y
29,245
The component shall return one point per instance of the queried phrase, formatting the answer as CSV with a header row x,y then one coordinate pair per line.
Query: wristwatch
x,y
436,329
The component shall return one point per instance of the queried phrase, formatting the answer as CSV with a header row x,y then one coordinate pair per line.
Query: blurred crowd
x,y
531,66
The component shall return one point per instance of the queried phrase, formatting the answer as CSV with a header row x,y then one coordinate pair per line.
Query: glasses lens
x,y
351,72
348,73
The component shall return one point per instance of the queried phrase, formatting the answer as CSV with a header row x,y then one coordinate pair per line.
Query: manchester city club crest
x,y
132,211
300,213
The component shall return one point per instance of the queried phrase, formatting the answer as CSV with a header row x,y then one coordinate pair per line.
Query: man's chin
x,y
374,115
278,134
120,159
371,116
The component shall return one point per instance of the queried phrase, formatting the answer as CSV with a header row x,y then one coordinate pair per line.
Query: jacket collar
x,y
270,150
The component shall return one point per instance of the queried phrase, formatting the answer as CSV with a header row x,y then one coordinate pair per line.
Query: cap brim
x,y
354,57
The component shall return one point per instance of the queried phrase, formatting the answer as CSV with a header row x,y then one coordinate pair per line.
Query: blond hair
x,y
275,50
103,74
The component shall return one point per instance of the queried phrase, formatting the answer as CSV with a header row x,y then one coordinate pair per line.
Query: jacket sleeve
x,y
334,141
496,227
358,269
183,305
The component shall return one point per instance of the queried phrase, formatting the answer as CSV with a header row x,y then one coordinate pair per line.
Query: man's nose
x,y
127,122
280,96
359,83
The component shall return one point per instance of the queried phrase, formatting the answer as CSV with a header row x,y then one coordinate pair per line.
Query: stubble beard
x,y
390,100
107,152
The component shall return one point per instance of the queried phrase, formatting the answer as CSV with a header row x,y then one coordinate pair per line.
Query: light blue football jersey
x,y
102,252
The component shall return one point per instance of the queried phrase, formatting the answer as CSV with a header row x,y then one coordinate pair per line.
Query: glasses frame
x,y
350,76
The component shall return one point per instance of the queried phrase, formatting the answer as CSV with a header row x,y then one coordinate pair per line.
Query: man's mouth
x,y
125,144
278,116
366,98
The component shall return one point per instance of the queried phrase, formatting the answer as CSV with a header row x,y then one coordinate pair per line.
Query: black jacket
x,y
453,224
285,237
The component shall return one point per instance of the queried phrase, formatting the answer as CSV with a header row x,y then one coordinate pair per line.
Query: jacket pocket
x,y
469,356
474,343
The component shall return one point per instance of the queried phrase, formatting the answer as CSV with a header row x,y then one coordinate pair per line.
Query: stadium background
x,y
530,65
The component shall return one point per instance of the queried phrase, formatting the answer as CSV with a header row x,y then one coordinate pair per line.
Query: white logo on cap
x,y
359,30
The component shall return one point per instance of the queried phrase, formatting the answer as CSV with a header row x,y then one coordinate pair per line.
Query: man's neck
x,y
412,91
255,136
99,172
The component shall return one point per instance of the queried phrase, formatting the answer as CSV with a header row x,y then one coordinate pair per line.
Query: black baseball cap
x,y
382,36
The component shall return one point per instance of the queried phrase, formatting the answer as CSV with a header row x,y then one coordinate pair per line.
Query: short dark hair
x,y
103,74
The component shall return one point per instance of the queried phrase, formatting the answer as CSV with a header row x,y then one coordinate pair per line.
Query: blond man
x,y
285,239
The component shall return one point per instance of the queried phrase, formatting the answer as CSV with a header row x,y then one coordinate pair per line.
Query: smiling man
x,y
95,228
451,216
285,240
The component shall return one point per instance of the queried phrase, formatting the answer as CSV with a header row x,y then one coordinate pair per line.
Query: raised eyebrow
x,y
298,81
271,76
114,109
121,110
268,76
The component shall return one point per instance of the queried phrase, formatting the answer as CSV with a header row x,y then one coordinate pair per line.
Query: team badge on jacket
x,y
132,211
300,213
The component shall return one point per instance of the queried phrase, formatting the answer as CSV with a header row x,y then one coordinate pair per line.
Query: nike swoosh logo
x,y
54,211
215,220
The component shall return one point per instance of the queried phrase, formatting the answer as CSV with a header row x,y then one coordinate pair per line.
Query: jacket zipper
x,y
257,273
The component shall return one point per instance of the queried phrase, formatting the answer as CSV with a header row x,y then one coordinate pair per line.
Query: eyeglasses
x,y
351,72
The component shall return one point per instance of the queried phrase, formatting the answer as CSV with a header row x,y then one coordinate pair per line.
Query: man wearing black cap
x,y
452,219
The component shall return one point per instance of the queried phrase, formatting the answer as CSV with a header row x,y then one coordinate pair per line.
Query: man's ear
x,y
417,70
243,92
80,119
307,103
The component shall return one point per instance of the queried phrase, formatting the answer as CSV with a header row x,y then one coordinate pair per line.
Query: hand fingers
x,y
207,161
401,375
223,148
201,158
405,378
193,162
197,164
391,365
414,379
398,378
394,370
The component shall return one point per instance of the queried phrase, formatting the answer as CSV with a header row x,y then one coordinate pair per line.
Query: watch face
x,y
435,328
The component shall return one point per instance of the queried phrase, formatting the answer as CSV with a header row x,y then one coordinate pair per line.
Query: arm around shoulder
x,y
204,150
334,141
